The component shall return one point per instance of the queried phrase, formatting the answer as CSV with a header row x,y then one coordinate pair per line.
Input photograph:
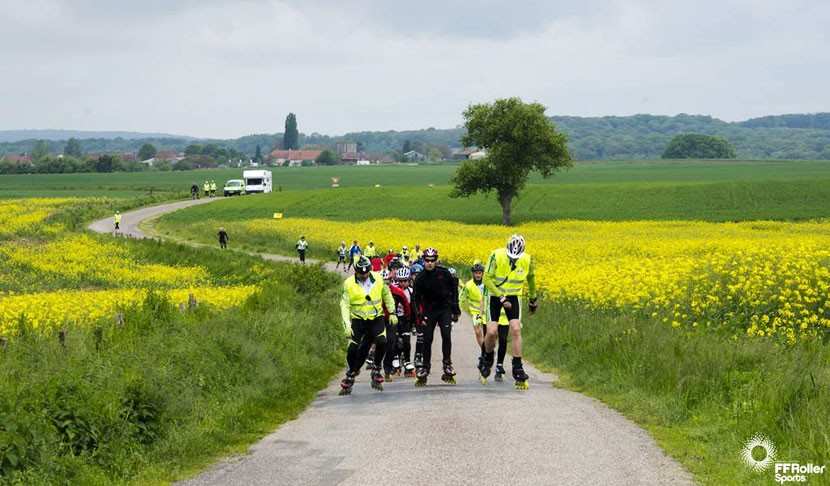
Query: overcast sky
x,y
226,69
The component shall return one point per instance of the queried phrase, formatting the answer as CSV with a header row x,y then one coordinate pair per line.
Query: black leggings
x,y
364,334
443,321
503,332
399,346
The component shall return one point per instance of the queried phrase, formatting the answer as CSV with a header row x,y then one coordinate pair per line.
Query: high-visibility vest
x,y
361,307
370,252
118,218
507,279
469,299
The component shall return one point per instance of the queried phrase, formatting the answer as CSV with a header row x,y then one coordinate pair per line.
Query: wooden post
x,y
62,337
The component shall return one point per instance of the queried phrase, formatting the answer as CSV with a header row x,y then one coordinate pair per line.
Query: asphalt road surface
x,y
466,433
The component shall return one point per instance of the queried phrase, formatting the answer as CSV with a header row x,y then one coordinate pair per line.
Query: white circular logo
x,y
756,441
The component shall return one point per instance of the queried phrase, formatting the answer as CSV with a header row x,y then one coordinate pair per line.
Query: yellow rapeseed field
x,y
93,277
758,278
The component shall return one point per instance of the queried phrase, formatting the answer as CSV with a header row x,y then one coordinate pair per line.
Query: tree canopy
x,y
696,146
291,137
73,148
147,151
518,139
327,157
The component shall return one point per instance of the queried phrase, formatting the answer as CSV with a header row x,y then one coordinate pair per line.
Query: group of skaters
x,y
209,187
389,298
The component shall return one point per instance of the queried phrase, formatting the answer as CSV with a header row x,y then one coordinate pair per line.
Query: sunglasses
x,y
430,260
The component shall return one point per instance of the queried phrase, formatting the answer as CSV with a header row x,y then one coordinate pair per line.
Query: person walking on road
x,y
302,246
361,306
206,187
504,278
354,254
117,220
436,298
341,256
212,188
223,238
194,191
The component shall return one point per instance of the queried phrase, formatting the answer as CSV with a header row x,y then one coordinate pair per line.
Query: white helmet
x,y
402,274
516,246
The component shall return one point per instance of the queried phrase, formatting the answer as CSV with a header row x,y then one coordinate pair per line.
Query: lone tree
x,y
518,138
147,152
291,137
694,146
327,157
73,148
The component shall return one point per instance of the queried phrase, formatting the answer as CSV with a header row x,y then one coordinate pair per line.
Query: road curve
x,y
442,434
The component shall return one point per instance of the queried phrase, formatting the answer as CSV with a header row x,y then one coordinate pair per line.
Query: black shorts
x,y
341,258
495,308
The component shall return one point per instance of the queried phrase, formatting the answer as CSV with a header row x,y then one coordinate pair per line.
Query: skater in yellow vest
x,y
508,269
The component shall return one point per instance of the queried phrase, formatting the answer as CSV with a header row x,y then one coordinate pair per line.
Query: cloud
x,y
223,69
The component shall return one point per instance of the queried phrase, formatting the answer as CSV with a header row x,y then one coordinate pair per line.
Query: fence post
x,y
181,307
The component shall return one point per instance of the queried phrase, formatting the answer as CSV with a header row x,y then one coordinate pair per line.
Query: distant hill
x,y
57,135
795,136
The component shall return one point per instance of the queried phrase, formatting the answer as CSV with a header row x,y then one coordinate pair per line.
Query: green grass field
x,y
614,172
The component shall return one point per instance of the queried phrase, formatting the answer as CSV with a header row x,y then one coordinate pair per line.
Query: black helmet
x,y
477,267
363,265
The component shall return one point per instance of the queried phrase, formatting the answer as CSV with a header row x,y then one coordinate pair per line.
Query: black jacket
x,y
436,291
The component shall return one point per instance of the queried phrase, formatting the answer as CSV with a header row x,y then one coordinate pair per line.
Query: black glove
x,y
533,305
455,317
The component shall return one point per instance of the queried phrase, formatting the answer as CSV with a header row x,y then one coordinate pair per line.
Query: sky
x,y
224,69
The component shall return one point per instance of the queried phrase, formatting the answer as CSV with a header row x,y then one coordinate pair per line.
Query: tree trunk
x,y
506,201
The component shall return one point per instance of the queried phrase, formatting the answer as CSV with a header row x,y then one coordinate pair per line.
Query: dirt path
x,y
442,434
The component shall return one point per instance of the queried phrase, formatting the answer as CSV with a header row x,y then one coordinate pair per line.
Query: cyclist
x,y
436,297
361,307
507,271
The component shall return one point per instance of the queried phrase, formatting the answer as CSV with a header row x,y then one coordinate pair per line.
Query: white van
x,y
257,181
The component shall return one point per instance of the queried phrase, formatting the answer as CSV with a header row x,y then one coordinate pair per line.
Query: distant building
x,y
350,157
18,159
363,162
281,157
463,153
480,154
413,156
170,155
346,148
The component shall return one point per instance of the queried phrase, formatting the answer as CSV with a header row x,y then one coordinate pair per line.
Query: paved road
x,y
442,434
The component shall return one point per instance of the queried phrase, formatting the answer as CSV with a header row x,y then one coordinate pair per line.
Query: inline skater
x,y
470,299
354,254
397,346
507,271
436,297
361,307
341,256
417,329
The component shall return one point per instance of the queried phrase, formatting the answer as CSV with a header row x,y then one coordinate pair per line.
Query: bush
x,y
693,146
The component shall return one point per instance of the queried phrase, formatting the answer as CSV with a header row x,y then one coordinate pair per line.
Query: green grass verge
x,y
169,392
700,395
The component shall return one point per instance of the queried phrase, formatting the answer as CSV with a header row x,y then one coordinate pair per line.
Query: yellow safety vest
x,y
354,303
502,278
118,218
370,252
470,297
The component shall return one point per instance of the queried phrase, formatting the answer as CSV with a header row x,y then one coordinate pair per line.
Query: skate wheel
x,y
483,380
344,391
522,385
